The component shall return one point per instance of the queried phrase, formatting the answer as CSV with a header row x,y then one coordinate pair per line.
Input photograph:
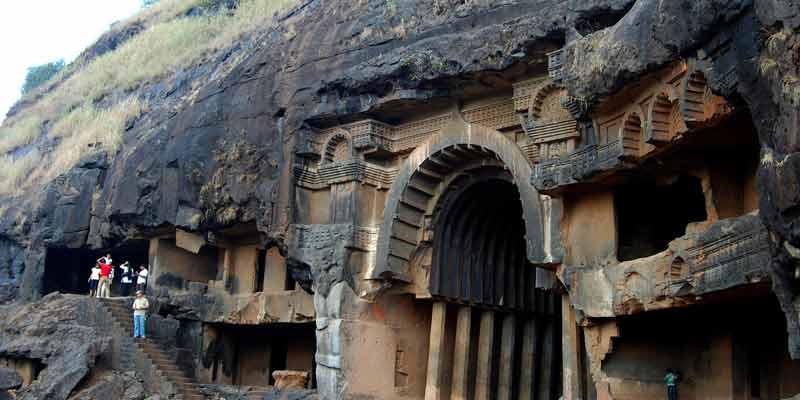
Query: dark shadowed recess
x,y
479,253
67,270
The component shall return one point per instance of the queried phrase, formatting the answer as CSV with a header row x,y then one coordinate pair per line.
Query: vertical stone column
x,y
527,383
508,343
570,351
548,367
461,355
275,271
436,348
483,379
227,263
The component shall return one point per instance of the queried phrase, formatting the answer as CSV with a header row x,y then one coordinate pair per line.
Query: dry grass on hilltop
x,y
68,114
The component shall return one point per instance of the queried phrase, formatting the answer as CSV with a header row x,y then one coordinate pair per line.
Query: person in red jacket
x,y
106,275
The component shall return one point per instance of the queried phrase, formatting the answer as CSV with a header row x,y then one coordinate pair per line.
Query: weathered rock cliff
x,y
220,142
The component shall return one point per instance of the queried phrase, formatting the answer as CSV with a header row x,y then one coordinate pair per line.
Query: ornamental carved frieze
x,y
341,153
637,123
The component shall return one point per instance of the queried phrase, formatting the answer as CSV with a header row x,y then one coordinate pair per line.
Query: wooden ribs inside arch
x,y
479,243
418,198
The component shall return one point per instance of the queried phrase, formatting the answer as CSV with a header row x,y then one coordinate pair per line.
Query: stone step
x,y
163,365
167,367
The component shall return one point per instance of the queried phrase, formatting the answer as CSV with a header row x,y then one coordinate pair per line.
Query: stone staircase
x,y
148,352
258,393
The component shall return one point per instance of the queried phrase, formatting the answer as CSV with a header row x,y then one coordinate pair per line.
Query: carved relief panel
x,y
549,125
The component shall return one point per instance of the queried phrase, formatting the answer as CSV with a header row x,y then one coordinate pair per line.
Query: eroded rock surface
x,y
53,332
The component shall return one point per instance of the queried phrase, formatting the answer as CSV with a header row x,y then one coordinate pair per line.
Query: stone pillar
x,y
436,356
275,271
330,377
548,367
527,383
461,355
506,368
570,353
483,379
227,262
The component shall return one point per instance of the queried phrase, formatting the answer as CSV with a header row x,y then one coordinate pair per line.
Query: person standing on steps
x,y
126,279
140,306
141,279
94,278
106,275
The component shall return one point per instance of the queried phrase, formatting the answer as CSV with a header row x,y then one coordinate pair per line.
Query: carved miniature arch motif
x,y
419,181
680,102
675,270
546,105
337,149
665,121
630,134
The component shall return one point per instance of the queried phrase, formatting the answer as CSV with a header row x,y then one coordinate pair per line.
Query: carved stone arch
x,y
544,100
630,135
338,148
421,179
698,103
664,119
677,269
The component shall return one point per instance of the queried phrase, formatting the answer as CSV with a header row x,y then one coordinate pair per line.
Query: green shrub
x,y
40,74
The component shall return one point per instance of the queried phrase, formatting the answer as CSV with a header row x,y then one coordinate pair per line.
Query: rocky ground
x,y
59,332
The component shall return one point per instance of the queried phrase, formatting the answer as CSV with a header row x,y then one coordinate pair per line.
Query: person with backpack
x,y
127,279
671,379
141,279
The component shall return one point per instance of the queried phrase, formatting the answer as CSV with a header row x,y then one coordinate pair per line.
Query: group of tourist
x,y
103,274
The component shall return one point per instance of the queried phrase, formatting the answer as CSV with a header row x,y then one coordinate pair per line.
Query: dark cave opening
x,y
136,253
67,270
650,215
248,355
733,346
479,254
480,273
27,368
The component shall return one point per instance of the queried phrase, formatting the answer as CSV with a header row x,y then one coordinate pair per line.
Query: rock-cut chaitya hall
x,y
432,200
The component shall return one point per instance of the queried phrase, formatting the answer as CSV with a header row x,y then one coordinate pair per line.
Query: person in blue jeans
x,y
140,306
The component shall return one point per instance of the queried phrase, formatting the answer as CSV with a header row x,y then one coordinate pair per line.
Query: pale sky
x,y
33,32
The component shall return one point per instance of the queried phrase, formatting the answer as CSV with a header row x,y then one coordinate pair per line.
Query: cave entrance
x,y
248,355
136,253
27,368
493,334
733,347
651,214
67,270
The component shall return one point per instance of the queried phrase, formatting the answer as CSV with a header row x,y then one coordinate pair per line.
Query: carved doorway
x,y
493,333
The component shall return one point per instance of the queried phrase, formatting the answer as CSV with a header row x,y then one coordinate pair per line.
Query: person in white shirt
x,y
141,280
140,306
94,278
127,279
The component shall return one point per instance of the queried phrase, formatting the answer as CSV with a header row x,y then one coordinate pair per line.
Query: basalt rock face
x,y
216,147
750,52
57,334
